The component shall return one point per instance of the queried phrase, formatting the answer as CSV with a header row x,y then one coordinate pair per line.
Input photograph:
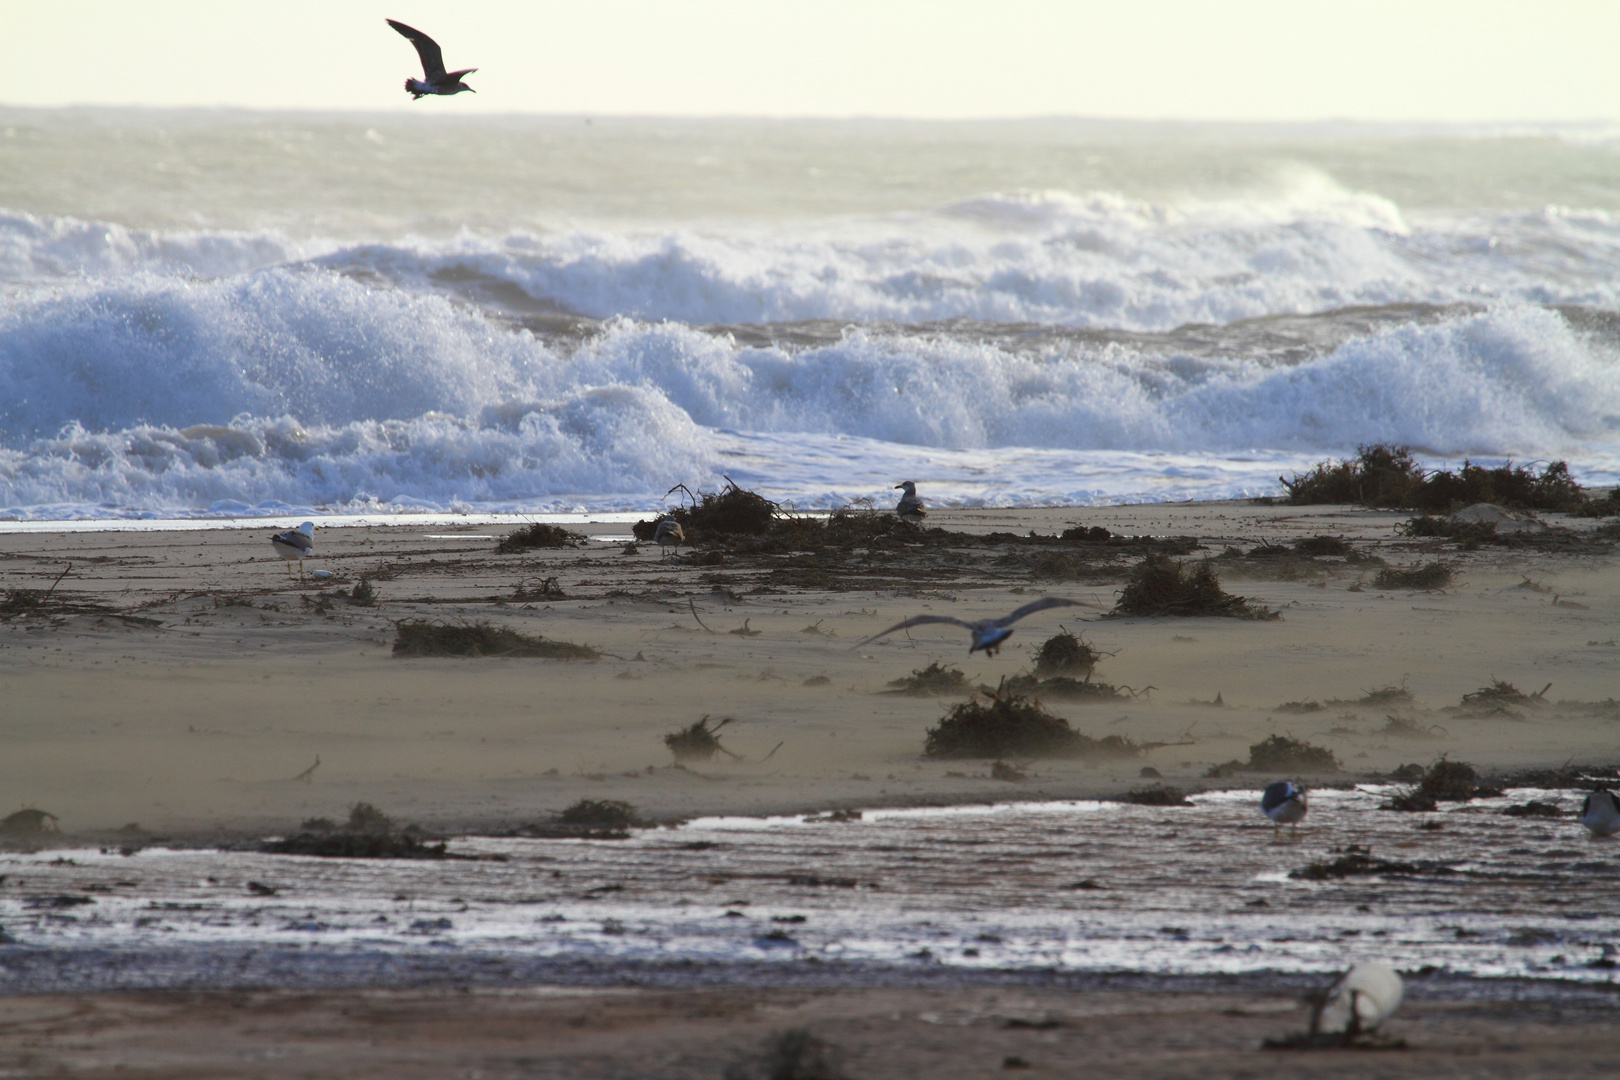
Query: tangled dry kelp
x,y
1388,476
1008,724
1161,585
700,742
419,637
368,834
1427,576
1065,654
932,681
1282,753
538,535
1446,781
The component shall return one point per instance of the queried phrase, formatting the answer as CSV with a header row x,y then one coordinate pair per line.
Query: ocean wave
x,y
1301,244
307,387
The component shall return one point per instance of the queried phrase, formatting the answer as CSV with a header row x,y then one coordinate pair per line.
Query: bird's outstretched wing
x,y
426,48
915,620
1039,605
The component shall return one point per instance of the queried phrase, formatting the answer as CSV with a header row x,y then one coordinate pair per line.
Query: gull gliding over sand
x,y
435,79
988,634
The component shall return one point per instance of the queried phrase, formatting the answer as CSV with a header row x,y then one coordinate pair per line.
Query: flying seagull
x,y
436,80
988,634
1284,803
910,506
295,545
1600,813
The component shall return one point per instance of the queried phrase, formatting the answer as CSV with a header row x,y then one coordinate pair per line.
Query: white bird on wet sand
x,y
1600,813
988,634
910,506
295,545
1359,1001
435,79
1284,803
668,534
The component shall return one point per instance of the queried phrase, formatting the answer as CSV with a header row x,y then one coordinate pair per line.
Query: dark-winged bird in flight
x,y
435,79
988,634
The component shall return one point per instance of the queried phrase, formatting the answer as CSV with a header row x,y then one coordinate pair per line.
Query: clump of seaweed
x,y
1316,546
700,742
538,535
1383,697
27,823
1080,534
1535,809
1355,861
419,637
1427,576
1446,781
1403,727
599,814
1065,654
1161,585
1285,754
793,1055
733,512
368,834
1500,693
1388,476
364,593
1008,724
1064,688
1299,708
1158,795
1448,528
1000,770
932,681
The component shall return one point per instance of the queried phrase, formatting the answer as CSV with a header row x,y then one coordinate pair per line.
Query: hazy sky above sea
x,y
1380,60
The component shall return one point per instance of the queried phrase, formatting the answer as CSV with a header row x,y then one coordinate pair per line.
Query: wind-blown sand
x,y
180,681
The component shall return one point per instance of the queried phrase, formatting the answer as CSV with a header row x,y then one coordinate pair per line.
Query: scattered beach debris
x,y
1063,688
1535,809
1500,693
1346,1015
1286,754
1160,585
19,601
1320,546
1356,861
364,593
1065,653
538,535
795,1054
1385,475
932,681
545,589
419,637
817,680
1000,770
1403,727
1157,795
28,823
308,775
1383,697
587,819
1425,576
1299,707
700,742
744,631
368,834
1446,781
1008,724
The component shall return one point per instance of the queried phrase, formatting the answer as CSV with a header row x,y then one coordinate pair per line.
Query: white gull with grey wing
x,y
988,634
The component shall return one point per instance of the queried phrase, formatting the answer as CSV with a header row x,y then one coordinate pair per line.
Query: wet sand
x,y
180,683
868,1033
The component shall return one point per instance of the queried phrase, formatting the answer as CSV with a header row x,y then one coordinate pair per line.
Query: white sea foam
x,y
304,387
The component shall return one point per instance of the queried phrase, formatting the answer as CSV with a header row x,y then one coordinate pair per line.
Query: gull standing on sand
x,y
295,545
1600,813
668,534
437,80
1284,803
1360,1000
910,506
988,634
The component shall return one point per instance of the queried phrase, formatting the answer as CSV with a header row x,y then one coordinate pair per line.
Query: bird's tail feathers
x,y
415,88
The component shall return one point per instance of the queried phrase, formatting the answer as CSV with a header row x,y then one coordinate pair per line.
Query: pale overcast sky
x,y
1401,60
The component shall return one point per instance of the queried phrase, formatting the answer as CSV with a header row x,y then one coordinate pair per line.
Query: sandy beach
x,y
182,682
177,686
